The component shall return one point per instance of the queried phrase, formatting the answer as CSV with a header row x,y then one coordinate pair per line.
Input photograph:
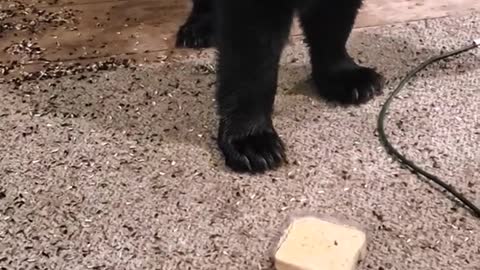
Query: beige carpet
x,y
120,171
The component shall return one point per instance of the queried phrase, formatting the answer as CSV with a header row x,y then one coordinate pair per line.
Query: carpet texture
x,y
119,170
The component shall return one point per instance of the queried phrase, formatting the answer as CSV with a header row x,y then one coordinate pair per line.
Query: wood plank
x,y
102,28
52,3
382,12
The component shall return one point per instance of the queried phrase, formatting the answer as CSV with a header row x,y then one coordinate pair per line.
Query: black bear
x,y
249,36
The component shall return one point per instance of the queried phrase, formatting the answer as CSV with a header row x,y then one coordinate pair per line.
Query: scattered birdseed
x,y
25,48
58,70
16,15
204,69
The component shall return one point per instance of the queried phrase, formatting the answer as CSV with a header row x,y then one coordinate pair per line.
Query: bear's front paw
x,y
254,149
350,84
196,33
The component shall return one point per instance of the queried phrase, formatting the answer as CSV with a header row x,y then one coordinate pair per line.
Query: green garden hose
x,y
391,150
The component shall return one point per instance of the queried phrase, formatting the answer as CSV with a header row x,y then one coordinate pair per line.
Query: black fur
x,y
249,36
